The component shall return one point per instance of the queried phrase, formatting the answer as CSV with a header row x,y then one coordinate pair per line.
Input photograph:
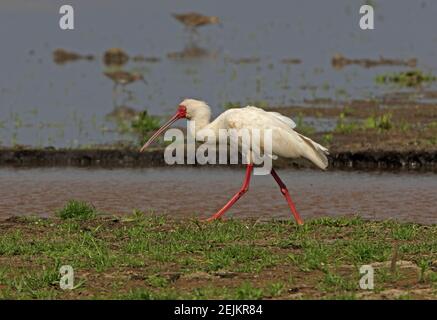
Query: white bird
x,y
286,142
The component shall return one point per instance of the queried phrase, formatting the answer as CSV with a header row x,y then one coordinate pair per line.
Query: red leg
x,y
284,191
237,196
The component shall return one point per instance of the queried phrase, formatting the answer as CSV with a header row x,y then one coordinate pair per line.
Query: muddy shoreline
x,y
120,158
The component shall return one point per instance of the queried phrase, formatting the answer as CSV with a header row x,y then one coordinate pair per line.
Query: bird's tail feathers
x,y
316,153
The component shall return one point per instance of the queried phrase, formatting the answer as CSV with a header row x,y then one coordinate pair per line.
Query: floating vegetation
x,y
408,79
338,62
61,56
144,123
115,57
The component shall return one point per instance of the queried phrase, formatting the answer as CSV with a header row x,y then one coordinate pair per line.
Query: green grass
x,y
144,123
155,257
381,122
77,210
411,78
344,126
327,138
302,127
332,282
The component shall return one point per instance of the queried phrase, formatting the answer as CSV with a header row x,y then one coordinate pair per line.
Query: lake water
x,y
200,192
44,104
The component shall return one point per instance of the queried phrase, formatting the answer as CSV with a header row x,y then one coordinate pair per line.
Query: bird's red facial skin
x,y
182,111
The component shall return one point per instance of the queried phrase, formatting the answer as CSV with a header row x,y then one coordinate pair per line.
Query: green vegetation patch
x,y
77,210
144,123
412,78
156,257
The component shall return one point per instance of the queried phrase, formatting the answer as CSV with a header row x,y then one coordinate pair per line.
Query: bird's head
x,y
195,109
187,109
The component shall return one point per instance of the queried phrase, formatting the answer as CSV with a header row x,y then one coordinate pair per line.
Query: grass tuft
x,y
77,210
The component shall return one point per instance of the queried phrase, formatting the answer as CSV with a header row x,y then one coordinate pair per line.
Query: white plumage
x,y
286,142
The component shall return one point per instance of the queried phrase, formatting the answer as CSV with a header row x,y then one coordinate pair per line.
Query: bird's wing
x,y
288,121
253,117
285,119
286,142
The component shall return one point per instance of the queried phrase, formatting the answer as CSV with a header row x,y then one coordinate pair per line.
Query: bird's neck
x,y
196,125
200,120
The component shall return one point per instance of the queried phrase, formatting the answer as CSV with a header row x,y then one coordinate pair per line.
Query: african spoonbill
x,y
285,141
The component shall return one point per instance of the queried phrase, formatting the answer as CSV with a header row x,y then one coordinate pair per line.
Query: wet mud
x,y
62,56
115,57
362,160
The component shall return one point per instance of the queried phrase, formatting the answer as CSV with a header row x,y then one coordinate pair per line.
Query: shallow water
x,y
183,192
44,104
